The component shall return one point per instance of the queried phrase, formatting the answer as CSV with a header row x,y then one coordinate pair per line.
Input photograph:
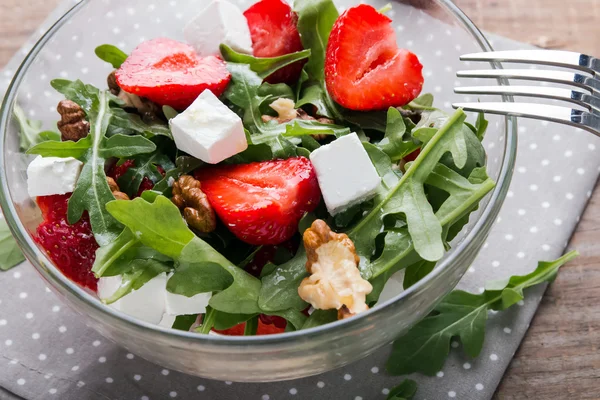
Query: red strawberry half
x,y
171,73
364,68
72,248
274,33
261,203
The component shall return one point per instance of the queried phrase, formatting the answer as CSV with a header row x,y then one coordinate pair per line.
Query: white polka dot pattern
x,y
549,190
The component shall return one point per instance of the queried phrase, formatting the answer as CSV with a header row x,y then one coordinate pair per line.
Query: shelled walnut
x,y
72,125
197,211
334,281
116,191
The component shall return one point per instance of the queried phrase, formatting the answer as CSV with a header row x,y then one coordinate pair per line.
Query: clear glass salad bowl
x,y
435,29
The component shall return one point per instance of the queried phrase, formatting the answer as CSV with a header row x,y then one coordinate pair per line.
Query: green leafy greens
x,y
463,315
10,254
420,237
111,54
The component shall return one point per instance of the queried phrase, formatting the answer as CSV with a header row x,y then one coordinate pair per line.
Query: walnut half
x,y
334,281
197,211
72,125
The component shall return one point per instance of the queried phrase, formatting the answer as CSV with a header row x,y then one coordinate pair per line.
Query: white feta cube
x,y
209,130
219,22
147,303
52,175
182,305
345,172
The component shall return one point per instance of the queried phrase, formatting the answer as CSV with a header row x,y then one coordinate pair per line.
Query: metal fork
x,y
583,79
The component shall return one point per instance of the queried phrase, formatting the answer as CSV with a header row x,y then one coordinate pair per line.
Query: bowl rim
x,y
50,273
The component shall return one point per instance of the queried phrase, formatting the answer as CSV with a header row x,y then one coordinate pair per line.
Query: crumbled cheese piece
x,y
52,175
209,130
219,22
345,172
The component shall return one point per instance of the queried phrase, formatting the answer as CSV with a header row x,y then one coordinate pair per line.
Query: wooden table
x,y
559,358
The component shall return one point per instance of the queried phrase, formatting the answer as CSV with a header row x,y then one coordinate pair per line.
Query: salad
x,y
265,176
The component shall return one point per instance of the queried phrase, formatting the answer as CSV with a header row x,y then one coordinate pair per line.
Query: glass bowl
x,y
435,29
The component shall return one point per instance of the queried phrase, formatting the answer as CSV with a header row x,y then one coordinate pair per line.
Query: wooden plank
x,y
559,358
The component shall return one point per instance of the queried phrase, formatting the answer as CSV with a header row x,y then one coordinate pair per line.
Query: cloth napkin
x,y
47,352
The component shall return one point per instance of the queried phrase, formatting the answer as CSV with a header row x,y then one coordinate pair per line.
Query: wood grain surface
x,y
560,357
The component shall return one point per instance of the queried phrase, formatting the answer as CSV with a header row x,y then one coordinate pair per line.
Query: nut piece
x,y
114,188
197,212
73,125
335,281
113,86
286,109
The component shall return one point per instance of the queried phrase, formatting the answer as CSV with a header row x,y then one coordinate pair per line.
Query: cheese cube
x,y
52,175
209,130
345,172
393,287
182,305
219,22
147,303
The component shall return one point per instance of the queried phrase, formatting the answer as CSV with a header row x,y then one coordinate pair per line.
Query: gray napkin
x,y
47,352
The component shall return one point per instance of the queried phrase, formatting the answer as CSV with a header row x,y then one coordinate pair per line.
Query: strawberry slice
x,y
262,203
72,248
267,325
274,33
171,73
364,68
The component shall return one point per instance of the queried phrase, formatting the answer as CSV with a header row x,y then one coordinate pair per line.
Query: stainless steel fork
x,y
583,80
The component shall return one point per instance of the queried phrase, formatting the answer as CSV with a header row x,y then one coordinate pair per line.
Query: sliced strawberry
x,y
364,68
274,33
171,73
72,248
267,325
262,203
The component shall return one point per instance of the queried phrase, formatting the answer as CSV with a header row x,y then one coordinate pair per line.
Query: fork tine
x,y
586,83
557,58
563,115
580,98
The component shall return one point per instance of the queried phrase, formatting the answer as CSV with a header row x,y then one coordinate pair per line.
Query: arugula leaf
x,y
107,255
30,130
208,321
315,21
241,296
279,289
263,66
404,391
157,225
184,322
140,272
10,253
243,92
425,347
126,146
423,102
111,54
183,165
145,165
417,271
68,148
397,195
393,143
320,317
316,95
92,192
